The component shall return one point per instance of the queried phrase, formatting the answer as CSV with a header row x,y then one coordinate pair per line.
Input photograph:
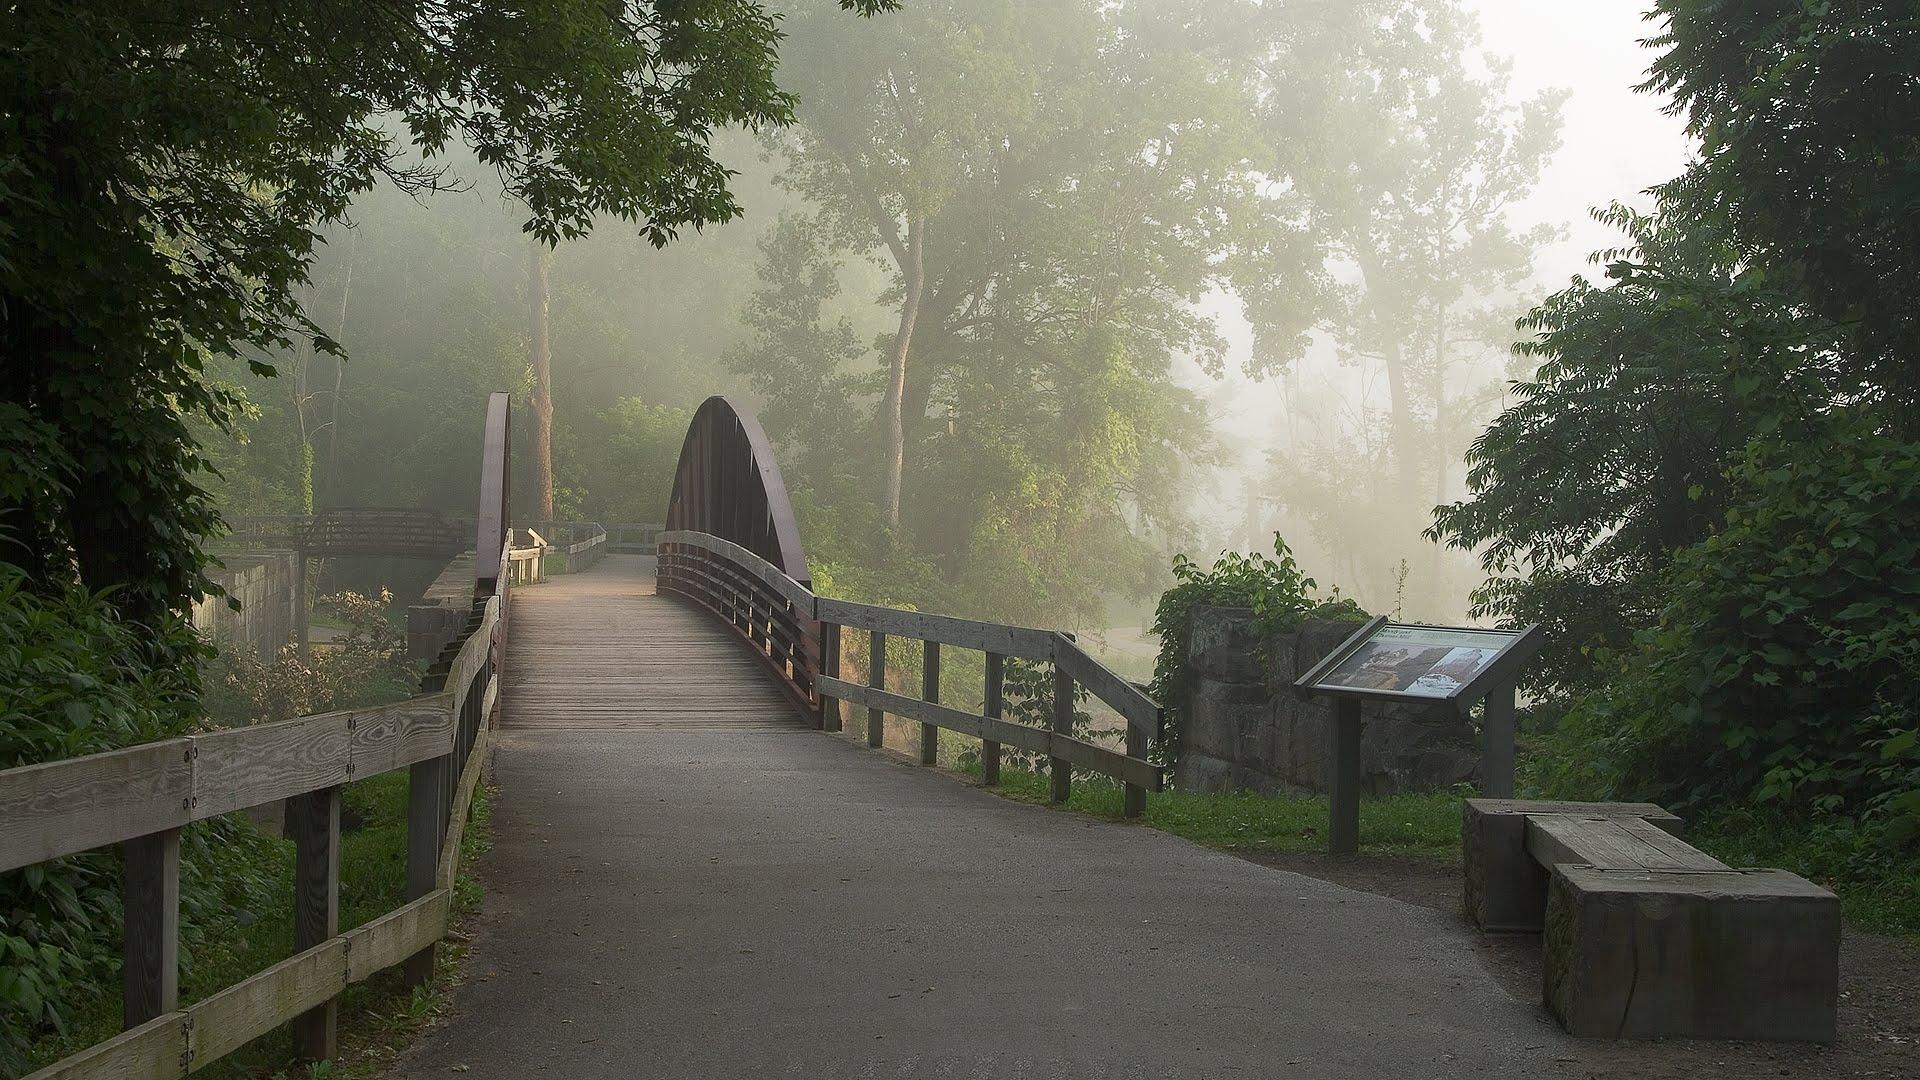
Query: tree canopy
x,y
169,168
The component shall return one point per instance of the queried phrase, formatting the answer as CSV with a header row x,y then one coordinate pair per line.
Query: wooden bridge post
x,y
930,691
150,960
1343,785
1134,797
877,678
829,667
428,785
314,821
992,704
1060,769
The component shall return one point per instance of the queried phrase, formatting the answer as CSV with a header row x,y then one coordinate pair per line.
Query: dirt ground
x,y
1879,989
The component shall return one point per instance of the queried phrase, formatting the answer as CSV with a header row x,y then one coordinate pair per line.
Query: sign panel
x,y
1418,661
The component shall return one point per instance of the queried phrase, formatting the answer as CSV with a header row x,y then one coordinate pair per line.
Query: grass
x,y
1877,893
1425,825
376,1016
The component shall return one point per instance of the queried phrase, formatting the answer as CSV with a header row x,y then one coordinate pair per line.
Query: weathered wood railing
x,y
572,546
797,634
142,796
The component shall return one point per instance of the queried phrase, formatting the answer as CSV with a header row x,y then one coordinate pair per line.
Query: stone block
x,y
1221,642
1734,954
1506,889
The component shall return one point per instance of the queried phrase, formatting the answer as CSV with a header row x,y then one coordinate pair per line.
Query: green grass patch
x,y
1426,824
1877,894
233,941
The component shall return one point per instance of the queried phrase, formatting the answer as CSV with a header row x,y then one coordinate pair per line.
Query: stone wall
x,y
268,591
1247,730
439,615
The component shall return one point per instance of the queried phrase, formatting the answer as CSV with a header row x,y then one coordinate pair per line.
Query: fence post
x,y
1134,797
1496,723
930,691
1343,787
830,667
992,705
876,677
314,821
150,961
426,829
1059,768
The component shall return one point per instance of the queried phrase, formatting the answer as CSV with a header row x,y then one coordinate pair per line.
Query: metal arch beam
x,y
496,492
728,484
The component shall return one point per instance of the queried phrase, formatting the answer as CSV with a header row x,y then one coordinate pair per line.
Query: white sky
x,y
1615,143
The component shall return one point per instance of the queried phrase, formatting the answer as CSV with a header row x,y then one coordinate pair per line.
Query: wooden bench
x,y
1645,935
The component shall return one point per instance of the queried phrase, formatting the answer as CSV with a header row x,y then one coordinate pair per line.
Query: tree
x,y
1081,175
1613,458
1808,117
1418,220
540,363
168,168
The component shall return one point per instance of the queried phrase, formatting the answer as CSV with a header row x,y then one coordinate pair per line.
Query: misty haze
x,y
939,538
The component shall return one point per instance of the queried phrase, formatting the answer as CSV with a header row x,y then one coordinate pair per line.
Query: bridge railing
x,y
797,634
633,537
141,797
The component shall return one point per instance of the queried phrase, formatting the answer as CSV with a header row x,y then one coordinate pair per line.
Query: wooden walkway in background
x,y
601,651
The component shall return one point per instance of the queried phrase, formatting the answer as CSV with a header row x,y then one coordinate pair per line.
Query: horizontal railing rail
x,y
797,634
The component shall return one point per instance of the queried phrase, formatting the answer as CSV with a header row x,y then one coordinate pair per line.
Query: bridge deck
x,y
686,884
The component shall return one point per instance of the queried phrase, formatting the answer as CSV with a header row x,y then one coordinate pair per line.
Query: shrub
x,y
1785,667
366,665
1274,589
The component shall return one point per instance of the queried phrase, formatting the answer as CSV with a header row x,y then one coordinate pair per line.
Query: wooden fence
x,y
797,634
141,796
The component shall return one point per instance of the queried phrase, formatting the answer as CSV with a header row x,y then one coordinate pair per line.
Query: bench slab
x,y
1612,843
1506,887
1714,954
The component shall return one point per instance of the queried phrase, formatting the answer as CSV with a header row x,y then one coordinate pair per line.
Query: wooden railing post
x,y
993,702
150,960
930,691
876,677
1343,785
314,821
1061,769
1133,799
428,784
830,667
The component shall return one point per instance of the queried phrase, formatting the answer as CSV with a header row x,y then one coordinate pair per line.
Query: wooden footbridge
x,y
693,877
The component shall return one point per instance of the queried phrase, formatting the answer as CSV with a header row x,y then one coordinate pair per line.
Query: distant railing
x,y
797,634
633,538
141,796
572,546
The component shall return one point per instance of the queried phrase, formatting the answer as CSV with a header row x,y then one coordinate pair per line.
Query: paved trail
x,y
686,883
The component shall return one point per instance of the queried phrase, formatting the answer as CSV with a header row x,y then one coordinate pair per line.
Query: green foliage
x,y
168,168
1613,456
1786,663
1808,118
616,464
1274,589
75,680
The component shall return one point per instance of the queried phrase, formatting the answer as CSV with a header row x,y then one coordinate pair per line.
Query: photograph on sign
x,y
1425,661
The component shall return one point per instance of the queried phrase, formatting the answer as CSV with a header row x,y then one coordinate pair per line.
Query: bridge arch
x,y
729,485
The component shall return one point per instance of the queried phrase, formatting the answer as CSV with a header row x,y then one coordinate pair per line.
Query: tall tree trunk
x,y
914,272
542,363
1400,419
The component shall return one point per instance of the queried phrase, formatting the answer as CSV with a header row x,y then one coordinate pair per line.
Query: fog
x,y
1035,486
